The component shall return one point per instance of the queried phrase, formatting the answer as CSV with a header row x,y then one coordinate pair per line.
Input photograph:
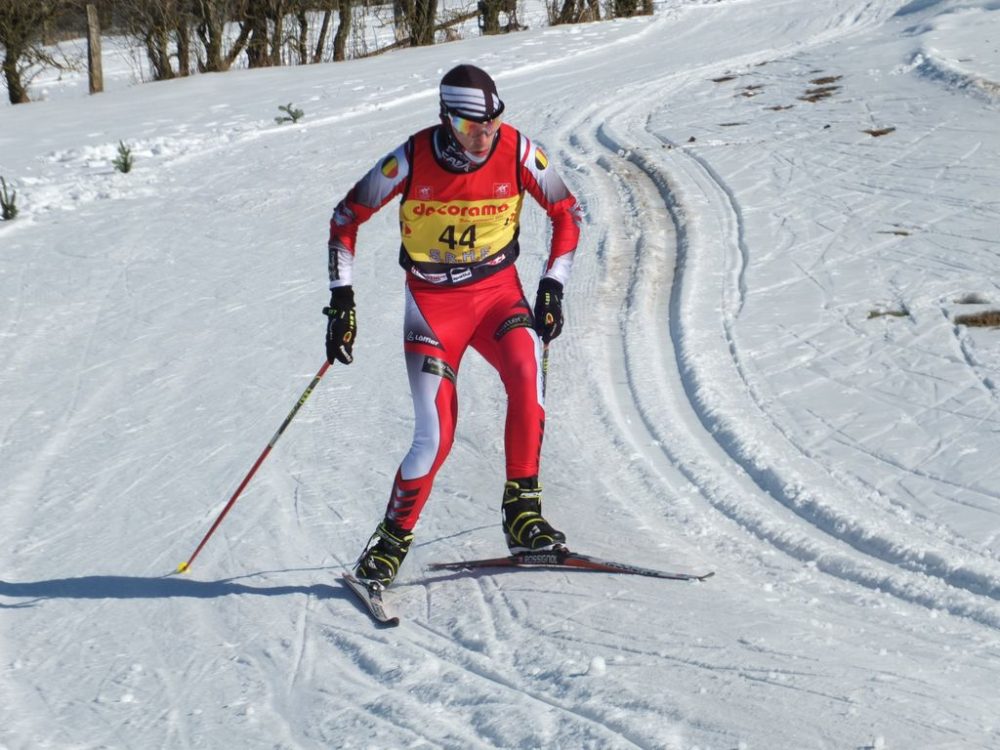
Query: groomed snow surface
x,y
788,207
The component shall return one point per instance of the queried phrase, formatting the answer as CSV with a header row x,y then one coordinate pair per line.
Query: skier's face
x,y
474,137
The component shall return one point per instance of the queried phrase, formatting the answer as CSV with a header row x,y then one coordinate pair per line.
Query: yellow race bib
x,y
458,231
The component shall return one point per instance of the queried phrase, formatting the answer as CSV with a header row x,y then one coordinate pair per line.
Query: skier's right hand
x,y
341,326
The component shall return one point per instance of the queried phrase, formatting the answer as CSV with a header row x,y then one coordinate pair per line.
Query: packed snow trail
x,y
734,245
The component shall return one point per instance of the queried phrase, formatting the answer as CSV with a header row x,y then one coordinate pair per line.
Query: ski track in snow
x,y
823,514
710,237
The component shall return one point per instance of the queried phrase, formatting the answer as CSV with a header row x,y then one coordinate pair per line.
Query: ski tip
x,y
182,568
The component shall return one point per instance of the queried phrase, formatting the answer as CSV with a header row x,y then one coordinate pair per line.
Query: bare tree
x,y
628,8
342,32
489,16
159,18
257,44
22,26
164,27
421,16
210,18
266,20
577,11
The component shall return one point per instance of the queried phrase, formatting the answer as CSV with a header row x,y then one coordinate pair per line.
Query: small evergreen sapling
x,y
292,114
8,201
124,161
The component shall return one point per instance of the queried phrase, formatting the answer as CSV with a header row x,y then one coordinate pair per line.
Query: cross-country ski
x,y
563,558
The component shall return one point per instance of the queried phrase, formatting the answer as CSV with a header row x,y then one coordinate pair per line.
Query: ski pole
x,y
184,566
545,368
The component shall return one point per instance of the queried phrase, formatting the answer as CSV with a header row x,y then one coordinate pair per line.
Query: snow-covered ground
x,y
788,204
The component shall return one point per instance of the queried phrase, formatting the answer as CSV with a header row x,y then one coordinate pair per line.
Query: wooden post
x,y
94,67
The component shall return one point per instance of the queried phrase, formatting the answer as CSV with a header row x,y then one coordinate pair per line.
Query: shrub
x,y
124,161
292,114
8,201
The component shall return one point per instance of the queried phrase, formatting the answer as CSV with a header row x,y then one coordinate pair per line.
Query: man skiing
x,y
461,184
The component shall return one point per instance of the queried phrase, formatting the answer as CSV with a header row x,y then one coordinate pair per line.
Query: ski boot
x,y
523,525
381,559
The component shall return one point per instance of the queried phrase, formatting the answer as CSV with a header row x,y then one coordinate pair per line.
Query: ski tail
x,y
371,596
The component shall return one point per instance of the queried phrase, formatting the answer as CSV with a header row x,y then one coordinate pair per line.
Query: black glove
x,y
548,309
341,328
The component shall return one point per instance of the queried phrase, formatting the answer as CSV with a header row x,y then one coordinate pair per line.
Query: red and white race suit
x,y
460,225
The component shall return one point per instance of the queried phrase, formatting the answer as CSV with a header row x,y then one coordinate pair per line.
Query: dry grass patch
x,y
817,94
888,314
986,319
972,298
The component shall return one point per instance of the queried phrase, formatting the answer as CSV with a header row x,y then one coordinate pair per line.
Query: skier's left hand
x,y
548,309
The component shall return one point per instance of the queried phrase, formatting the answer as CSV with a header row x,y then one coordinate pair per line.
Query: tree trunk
x,y
16,91
183,34
257,52
95,69
209,30
489,16
158,50
401,12
510,8
279,33
625,8
343,31
568,13
238,46
324,29
301,41
422,22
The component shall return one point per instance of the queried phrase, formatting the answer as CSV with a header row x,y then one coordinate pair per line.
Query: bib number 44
x,y
466,239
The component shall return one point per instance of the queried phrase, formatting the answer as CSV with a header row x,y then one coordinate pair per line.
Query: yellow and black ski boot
x,y
380,561
523,525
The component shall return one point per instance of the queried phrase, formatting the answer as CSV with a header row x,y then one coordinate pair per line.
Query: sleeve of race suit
x,y
381,184
545,185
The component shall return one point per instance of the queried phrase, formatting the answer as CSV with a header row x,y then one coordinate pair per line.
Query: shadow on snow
x,y
135,587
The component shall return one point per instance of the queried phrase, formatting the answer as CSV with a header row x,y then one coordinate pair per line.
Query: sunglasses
x,y
467,127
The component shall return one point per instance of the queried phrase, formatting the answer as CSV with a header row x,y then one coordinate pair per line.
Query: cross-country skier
x,y
462,183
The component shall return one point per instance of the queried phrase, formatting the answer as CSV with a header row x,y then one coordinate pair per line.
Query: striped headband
x,y
469,92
